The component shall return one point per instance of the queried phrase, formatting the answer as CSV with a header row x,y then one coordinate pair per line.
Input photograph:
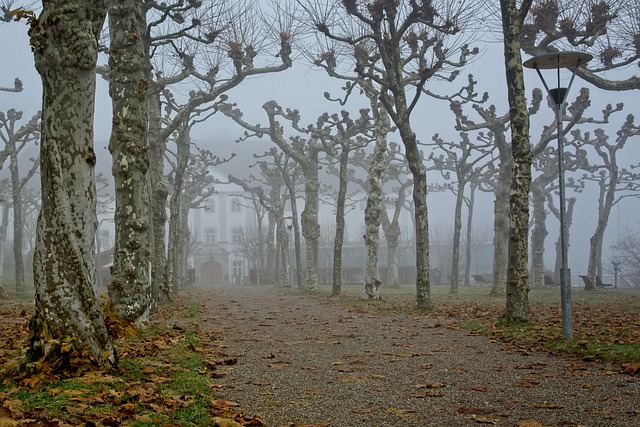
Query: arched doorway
x,y
211,273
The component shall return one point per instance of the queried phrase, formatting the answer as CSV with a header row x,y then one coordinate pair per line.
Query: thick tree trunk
x,y
64,41
271,248
309,220
538,234
17,221
373,211
517,304
129,288
283,248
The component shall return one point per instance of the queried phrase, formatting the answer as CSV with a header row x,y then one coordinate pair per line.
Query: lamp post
x,y
616,268
556,61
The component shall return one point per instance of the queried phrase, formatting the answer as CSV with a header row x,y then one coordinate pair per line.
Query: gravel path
x,y
305,360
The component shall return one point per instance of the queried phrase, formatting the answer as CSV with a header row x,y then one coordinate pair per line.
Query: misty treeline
x,y
172,65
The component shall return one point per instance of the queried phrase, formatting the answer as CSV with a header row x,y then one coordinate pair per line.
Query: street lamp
x,y
556,61
616,268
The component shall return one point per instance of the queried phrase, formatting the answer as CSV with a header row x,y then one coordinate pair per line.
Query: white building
x,y
216,229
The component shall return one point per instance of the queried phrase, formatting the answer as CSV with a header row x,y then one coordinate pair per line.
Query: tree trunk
x,y
595,247
4,226
538,234
64,41
340,224
517,304
392,236
457,231
469,235
129,288
183,144
271,248
309,220
373,211
501,227
416,165
17,221
157,148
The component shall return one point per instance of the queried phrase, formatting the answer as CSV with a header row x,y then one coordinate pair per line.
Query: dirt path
x,y
304,359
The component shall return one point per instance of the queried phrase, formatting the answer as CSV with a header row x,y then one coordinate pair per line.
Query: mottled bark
x,y
158,211
297,244
64,42
309,219
392,237
375,206
517,303
175,248
129,288
416,165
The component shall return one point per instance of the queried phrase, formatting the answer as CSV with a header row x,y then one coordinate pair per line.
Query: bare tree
x,y
15,140
612,180
398,46
462,159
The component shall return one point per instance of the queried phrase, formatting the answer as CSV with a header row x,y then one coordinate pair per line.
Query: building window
x,y
209,206
238,268
104,239
209,235
236,235
236,206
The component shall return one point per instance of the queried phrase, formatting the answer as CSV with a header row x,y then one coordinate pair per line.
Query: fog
x,y
302,88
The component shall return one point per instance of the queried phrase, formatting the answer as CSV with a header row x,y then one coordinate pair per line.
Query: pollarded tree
x,y
67,314
345,134
517,304
612,180
15,140
464,159
305,149
399,45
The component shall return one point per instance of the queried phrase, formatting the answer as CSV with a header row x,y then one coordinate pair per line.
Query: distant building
x,y
216,229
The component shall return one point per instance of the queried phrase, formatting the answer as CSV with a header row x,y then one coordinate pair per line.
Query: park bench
x,y
599,283
548,281
479,279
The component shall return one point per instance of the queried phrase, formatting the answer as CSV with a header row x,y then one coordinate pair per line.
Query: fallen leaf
x,y
529,423
475,411
363,411
484,420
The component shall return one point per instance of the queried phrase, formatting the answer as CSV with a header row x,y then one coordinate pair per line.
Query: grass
x,y
162,379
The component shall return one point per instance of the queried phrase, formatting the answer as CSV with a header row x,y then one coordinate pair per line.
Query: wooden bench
x,y
479,279
599,283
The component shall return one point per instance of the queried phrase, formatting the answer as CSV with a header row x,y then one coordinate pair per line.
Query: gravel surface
x,y
305,360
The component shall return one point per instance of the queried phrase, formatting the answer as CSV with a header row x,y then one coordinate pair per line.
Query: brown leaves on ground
x,y
145,390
